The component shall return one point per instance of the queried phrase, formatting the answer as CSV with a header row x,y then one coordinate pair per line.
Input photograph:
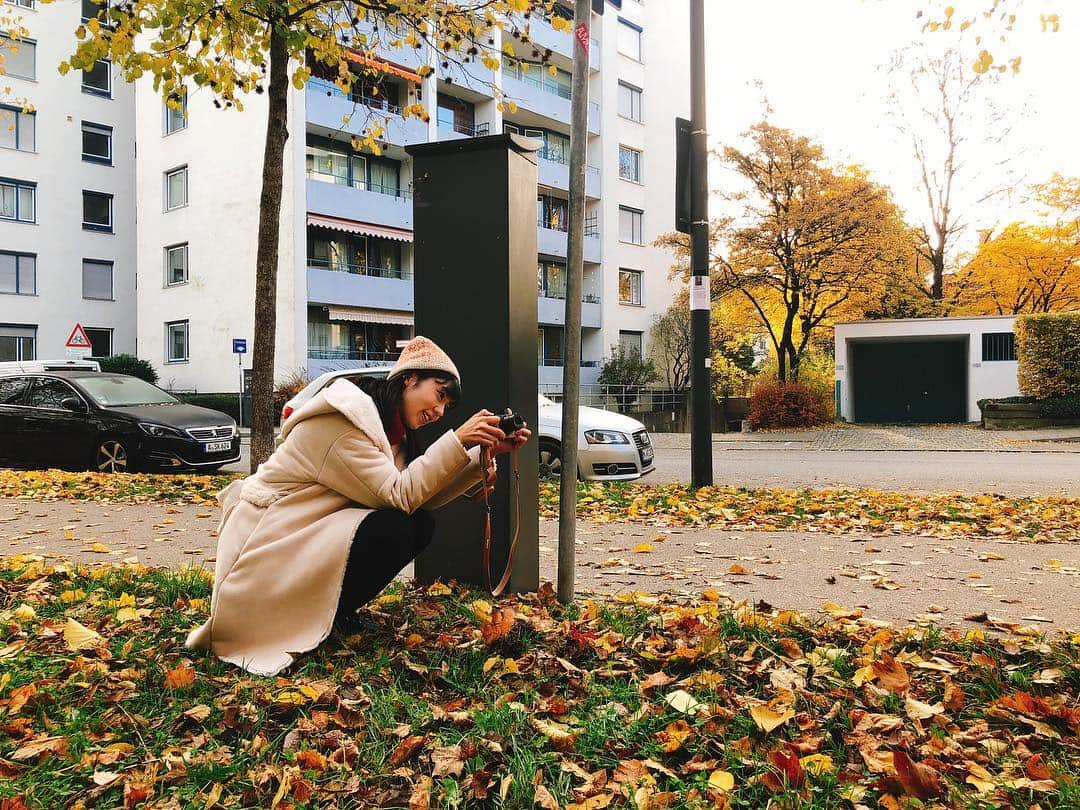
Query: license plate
x,y
217,447
647,456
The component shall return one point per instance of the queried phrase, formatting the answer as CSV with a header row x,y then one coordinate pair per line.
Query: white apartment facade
x,y
67,194
345,271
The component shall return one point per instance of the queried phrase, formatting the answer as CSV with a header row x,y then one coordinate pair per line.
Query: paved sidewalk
x,y
892,437
896,578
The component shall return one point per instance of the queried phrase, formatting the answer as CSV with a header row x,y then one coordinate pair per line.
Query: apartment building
x,y
67,194
346,271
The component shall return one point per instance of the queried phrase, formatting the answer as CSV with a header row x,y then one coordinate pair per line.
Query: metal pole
x,y
579,109
240,366
701,471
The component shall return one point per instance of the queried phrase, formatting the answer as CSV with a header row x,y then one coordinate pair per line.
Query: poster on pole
x,y
699,292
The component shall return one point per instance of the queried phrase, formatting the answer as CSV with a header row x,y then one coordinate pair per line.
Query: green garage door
x,y
910,381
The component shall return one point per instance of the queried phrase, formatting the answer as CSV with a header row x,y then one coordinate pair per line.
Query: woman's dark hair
x,y
387,394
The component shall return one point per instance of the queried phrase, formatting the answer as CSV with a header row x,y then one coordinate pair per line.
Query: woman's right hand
x,y
481,428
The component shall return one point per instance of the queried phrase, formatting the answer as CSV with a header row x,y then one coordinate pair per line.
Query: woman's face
x,y
423,401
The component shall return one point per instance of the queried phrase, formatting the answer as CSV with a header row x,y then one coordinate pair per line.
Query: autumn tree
x,y
958,139
670,343
985,27
805,238
240,50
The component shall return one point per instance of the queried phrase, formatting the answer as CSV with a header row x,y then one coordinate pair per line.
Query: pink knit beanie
x,y
421,353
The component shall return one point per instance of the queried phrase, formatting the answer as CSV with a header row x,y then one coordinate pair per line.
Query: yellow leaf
x,y
560,734
917,710
388,599
72,596
491,663
818,764
69,534
25,613
438,589
722,780
79,637
766,719
126,600
100,548
126,614
481,610
682,701
643,548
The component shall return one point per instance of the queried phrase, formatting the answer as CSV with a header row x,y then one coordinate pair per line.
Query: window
x,y
20,57
90,9
630,39
18,200
630,343
629,101
552,213
97,280
630,220
100,341
629,164
551,280
630,287
11,388
96,143
22,3
176,117
18,342
176,264
176,188
998,346
18,129
98,80
97,211
49,393
18,273
176,342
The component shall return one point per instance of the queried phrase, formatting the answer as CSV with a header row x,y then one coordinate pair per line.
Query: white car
x,y
611,446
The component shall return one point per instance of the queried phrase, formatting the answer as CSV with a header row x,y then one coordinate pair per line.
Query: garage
x,y
910,381
923,370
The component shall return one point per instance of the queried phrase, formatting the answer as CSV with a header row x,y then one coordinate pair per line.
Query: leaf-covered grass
x,y
1043,519
451,700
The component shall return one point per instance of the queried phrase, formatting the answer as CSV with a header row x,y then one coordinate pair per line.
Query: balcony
x,y
454,132
553,170
553,243
353,285
544,35
406,56
326,194
550,373
322,360
551,309
330,112
533,94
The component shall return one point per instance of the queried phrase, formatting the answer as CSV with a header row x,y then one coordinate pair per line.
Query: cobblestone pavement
x,y
892,437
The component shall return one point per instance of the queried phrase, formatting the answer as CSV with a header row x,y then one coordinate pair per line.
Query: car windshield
x,y
117,391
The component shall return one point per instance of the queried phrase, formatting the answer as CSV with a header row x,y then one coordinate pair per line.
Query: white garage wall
x,y
991,379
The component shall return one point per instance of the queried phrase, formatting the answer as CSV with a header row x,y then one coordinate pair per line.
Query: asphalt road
x,y
1013,473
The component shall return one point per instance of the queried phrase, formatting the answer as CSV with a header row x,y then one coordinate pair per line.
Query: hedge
x,y
1048,354
226,403
786,405
1050,408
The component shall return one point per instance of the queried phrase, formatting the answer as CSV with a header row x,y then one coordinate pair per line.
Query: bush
x,y
129,364
625,368
1061,407
817,373
1048,354
786,405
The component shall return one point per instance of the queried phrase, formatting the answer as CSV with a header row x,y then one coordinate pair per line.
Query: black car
x,y
107,422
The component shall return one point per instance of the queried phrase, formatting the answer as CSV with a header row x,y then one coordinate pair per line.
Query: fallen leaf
x,y
918,780
722,780
766,719
79,637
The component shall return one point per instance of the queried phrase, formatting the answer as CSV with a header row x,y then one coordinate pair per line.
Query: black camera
x,y
510,422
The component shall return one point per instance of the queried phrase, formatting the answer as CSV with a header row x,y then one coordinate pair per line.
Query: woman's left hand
x,y
511,442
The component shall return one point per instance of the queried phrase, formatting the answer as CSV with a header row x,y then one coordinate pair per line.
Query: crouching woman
x,y
339,509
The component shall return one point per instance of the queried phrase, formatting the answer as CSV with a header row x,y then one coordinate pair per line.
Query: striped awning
x,y
383,66
365,228
370,315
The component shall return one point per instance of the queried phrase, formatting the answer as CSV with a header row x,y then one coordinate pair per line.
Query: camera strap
x,y
485,463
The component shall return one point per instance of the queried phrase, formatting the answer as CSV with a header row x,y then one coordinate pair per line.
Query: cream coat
x,y
286,530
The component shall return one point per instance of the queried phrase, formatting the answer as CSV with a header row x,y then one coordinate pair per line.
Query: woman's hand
x,y
481,428
512,442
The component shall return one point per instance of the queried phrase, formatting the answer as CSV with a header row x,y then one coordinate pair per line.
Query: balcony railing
x,y
362,185
358,269
560,295
592,224
374,102
540,79
476,131
351,354
558,362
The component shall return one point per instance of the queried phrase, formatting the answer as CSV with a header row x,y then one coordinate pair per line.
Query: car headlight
x,y
605,437
160,431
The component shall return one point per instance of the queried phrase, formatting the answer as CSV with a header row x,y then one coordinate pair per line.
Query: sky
x,y
818,61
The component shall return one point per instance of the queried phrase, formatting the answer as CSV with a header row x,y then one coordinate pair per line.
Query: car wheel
x,y
112,457
550,461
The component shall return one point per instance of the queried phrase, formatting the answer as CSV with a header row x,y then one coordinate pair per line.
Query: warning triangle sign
x,y
78,339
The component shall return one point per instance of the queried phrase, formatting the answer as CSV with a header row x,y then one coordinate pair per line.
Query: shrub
x,y
226,403
1061,407
1048,354
626,368
129,364
785,405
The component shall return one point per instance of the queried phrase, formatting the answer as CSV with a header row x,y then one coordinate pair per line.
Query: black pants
x,y
384,543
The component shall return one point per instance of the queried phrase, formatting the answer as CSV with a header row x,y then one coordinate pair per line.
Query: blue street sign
x,y
239,345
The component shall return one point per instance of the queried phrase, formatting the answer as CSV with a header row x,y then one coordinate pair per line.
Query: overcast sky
x,y
817,61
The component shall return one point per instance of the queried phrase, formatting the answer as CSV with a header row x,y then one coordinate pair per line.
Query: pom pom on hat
x,y
422,353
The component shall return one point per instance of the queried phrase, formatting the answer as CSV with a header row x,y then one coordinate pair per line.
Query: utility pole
x,y
701,471
579,109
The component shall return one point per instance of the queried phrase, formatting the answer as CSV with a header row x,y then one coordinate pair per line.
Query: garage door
x,y
909,381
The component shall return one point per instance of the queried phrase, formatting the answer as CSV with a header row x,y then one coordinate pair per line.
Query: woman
x,y
339,509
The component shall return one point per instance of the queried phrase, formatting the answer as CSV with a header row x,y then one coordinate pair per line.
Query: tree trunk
x,y
266,260
937,259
